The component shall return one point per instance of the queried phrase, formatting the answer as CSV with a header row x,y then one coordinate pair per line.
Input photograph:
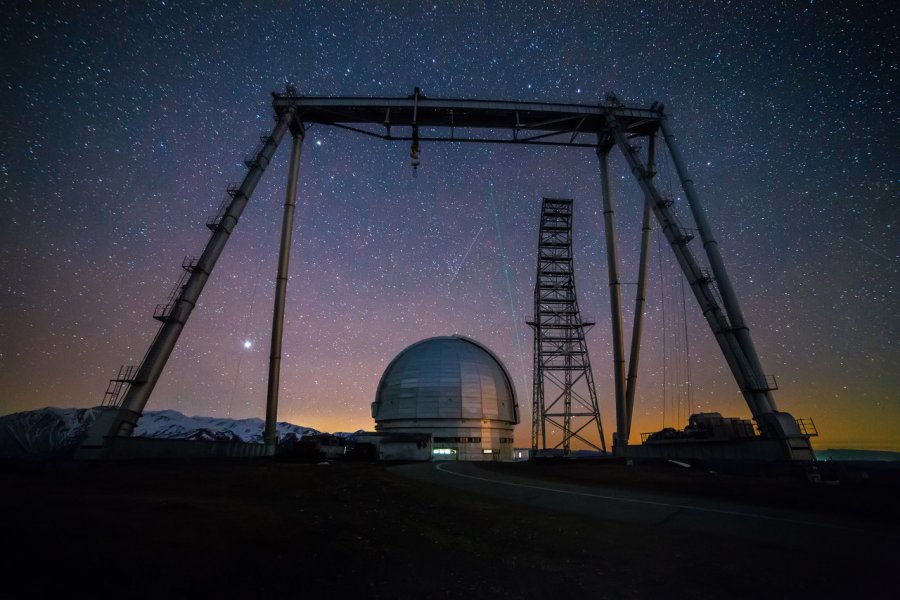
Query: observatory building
x,y
455,389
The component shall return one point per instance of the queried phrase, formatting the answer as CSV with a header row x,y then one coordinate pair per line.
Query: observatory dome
x,y
455,389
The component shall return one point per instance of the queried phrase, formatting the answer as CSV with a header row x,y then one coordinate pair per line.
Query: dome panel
x,y
445,378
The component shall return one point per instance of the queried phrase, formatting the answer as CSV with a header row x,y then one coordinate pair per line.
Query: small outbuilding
x,y
391,446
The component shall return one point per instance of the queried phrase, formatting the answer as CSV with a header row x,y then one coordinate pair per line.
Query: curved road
x,y
792,529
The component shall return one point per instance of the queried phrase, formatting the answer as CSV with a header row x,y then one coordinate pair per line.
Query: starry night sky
x,y
124,122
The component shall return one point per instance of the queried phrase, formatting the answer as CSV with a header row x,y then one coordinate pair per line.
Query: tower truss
x,y
564,394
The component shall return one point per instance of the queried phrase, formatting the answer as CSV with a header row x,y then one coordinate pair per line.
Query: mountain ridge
x,y
53,431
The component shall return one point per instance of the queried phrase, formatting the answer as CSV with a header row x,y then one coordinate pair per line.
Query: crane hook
x,y
414,150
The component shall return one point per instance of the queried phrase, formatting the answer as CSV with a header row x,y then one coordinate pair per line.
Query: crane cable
x,y
687,349
492,201
662,303
682,367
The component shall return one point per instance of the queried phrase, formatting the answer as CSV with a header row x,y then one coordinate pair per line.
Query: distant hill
x,y
58,431
850,454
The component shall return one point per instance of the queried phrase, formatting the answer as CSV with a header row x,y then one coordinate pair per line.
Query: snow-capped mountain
x,y
46,431
56,431
171,424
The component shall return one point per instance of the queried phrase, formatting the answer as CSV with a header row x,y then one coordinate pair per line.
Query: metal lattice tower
x,y
564,393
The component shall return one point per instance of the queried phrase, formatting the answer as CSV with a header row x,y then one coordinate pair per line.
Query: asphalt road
x,y
270,528
777,528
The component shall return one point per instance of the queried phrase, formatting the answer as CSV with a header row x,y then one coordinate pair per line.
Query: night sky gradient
x,y
124,122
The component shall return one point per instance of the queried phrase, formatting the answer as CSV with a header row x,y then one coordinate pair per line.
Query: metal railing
x,y
213,222
118,385
807,427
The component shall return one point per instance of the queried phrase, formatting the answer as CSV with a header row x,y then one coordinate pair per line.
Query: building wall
x,y
404,451
395,447
474,440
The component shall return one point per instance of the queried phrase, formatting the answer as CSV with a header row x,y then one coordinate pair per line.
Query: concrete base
x,y
138,448
749,449
393,446
465,439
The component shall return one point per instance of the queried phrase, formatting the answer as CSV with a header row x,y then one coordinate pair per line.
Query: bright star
x,y
248,344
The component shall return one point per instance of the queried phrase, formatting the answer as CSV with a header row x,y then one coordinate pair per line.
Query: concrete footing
x,y
749,449
139,448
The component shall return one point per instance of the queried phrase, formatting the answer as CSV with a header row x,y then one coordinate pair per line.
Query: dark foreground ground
x,y
279,529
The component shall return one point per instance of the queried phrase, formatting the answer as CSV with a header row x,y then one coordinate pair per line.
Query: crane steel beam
x,y
270,435
539,120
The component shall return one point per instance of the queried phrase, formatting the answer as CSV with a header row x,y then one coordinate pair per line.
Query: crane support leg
x,y
641,294
762,397
620,439
701,285
161,348
270,435
746,371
